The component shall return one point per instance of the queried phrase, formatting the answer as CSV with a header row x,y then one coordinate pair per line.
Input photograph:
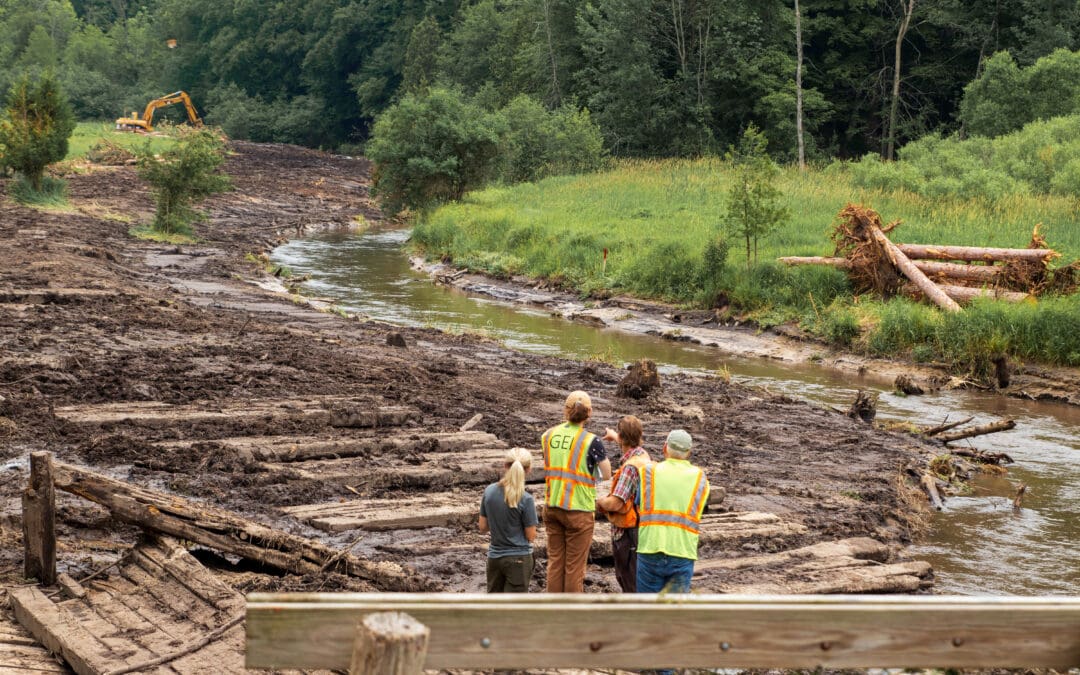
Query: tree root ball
x,y
642,379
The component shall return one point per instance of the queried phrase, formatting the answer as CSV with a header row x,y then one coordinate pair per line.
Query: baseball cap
x,y
679,441
578,397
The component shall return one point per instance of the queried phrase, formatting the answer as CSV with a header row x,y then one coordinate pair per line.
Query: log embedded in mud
x,y
902,263
933,431
228,532
993,427
974,253
929,483
864,407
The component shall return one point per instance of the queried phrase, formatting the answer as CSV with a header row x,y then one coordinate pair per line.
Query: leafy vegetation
x,y
753,209
659,77
34,130
183,176
89,134
658,221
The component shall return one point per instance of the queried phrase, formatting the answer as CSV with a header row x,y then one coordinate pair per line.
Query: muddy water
x,y
978,545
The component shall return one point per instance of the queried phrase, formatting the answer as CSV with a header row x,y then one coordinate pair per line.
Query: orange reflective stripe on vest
x,y
688,519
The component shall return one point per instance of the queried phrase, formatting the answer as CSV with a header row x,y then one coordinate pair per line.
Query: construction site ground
x,y
179,368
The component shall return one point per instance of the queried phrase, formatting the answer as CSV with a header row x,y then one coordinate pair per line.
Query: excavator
x,y
144,124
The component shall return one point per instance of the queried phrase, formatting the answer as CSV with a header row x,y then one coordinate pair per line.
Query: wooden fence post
x,y
389,643
39,521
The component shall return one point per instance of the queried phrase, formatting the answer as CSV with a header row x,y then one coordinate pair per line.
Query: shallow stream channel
x,y
978,545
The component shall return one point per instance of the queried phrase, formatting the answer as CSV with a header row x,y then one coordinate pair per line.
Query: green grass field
x,y
656,217
89,134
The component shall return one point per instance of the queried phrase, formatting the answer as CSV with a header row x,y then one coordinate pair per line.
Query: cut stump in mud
x,y
161,612
642,379
907,386
864,407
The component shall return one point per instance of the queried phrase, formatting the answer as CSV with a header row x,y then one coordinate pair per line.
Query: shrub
x,y
431,148
754,207
183,176
841,326
35,129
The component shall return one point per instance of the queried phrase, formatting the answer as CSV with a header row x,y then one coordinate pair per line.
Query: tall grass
x,y
655,219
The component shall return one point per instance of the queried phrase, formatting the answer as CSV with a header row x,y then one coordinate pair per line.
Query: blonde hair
x,y
518,461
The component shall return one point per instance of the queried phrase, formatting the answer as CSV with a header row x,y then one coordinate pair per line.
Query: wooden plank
x,y
332,411
445,509
39,521
974,253
302,449
58,631
859,548
476,466
706,631
28,659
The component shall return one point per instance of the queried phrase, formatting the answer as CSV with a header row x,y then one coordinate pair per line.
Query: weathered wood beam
x,y
39,521
974,253
228,532
474,631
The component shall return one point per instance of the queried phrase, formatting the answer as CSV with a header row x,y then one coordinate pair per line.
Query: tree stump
x,y
907,386
642,379
864,408
39,521
396,340
389,643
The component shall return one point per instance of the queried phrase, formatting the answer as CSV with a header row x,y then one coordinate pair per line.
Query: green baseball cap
x,y
679,441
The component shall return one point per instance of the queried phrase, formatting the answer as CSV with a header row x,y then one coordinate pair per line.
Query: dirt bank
x,y
171,367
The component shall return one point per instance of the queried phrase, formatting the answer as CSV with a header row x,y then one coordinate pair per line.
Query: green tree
x,y
183,176
541,143
422,56
753,209
36,127
432,148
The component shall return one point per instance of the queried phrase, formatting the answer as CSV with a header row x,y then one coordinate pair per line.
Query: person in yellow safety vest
x,y
573,458
671,497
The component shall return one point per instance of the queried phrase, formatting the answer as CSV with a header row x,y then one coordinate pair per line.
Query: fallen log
x,y
993,427
938,270
983,274
228,532
929,483
841,263
933,431
908,269
974,253
965,294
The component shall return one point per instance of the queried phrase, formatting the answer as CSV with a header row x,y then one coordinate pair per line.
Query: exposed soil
x,y
90,315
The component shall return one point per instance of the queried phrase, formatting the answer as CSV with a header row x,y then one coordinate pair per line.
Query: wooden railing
x,y
319,630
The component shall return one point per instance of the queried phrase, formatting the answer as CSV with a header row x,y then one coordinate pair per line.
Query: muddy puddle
x,y
978,545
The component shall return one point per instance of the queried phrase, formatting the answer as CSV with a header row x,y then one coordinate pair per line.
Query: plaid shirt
x,y
626,487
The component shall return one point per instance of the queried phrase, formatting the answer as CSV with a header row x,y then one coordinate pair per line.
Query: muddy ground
x,y
90,315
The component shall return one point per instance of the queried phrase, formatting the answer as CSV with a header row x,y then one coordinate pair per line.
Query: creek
x,y
978,545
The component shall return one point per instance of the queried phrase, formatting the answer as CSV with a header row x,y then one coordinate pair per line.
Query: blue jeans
x,y
657,572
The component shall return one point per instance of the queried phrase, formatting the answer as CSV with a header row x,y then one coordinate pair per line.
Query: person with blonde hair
x,y
508,512
573,461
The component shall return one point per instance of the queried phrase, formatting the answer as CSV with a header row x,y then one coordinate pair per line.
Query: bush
x,y
431,148
36,127
841,326
183,176
53,191
1006,97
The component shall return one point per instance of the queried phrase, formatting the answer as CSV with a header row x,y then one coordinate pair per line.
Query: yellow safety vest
x,y
673,495
569,484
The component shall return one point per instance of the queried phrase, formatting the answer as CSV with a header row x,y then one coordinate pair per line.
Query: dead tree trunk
x,y
228,532
974,253
798,87
894,103
902,263
933,431
992,428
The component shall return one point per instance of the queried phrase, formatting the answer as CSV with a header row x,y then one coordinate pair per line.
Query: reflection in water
x,y
978,545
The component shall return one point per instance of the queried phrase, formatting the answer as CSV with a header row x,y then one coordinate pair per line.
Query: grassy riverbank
x,y
89,134
657,217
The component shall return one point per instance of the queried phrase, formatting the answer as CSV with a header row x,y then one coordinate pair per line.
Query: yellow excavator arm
x,y
145,123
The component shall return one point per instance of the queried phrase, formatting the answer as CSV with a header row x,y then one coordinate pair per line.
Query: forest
x,y
660,78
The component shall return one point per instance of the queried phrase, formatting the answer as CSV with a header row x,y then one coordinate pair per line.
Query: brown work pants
x,y
569,536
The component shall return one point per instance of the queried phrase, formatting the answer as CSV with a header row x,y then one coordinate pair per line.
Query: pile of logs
x,y
946,275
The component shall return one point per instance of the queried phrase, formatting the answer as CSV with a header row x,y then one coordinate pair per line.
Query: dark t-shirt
x,y
507,524
597,454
